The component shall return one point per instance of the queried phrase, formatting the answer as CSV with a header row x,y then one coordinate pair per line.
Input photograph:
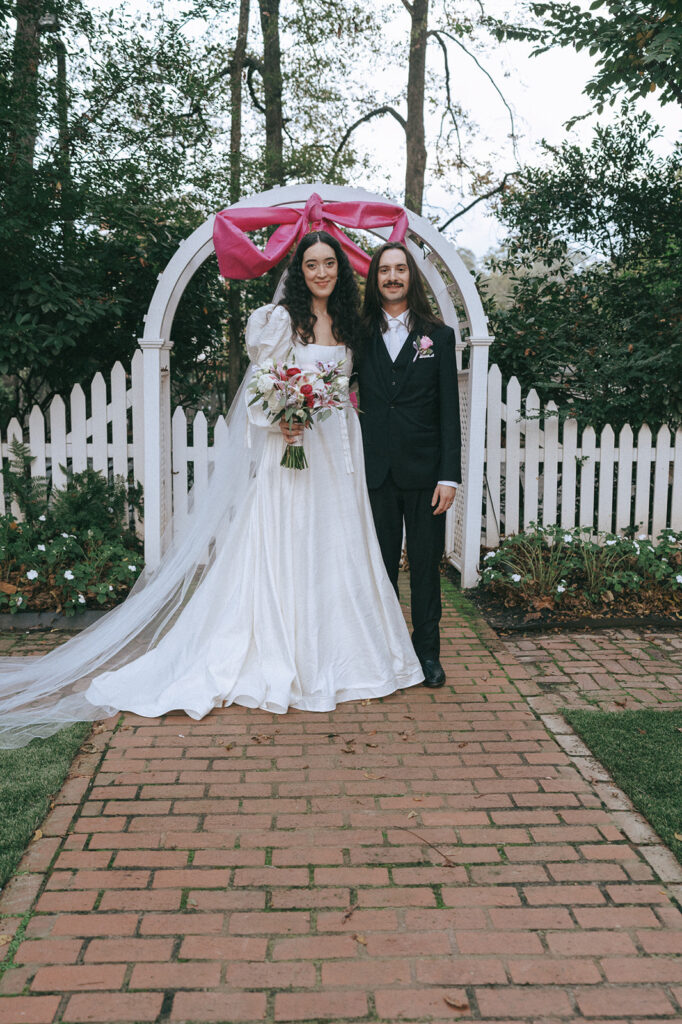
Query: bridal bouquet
x,y
298,396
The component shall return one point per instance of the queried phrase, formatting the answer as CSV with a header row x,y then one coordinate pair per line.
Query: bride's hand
x,y
291,431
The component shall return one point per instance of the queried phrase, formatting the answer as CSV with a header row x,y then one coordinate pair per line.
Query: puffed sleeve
x,y
268,336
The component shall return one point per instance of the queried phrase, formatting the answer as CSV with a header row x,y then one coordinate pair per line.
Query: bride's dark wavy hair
x,y
344,301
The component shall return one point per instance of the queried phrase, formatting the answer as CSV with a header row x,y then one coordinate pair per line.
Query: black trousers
x,y
425,537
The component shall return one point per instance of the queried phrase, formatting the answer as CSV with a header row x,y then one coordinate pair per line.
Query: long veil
x,y
39,695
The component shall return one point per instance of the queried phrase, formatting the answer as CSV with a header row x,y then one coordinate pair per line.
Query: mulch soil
x,y
518,619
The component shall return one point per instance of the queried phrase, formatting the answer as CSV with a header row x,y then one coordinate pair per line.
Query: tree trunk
x,y
416,149
64,158
24,95
234,305
272,89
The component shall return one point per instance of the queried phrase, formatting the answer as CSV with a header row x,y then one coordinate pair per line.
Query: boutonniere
x,y
423,348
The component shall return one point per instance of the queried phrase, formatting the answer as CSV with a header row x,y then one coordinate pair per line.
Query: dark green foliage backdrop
x,y
593,314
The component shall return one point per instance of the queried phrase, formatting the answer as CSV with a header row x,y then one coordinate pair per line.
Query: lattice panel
x,y
455,530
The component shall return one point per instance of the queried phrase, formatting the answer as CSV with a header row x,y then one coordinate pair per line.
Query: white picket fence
x,y
537,469
105,434
541,471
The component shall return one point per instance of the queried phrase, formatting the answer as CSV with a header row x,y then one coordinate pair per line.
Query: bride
x,y
276,596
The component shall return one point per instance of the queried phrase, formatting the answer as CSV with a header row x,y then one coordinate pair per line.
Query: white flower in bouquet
x,y
275,401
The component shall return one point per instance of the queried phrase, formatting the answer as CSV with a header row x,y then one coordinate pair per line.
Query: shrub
x,y
74,548
550,567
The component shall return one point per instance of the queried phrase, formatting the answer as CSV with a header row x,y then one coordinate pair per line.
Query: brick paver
x,y
429,857
611,669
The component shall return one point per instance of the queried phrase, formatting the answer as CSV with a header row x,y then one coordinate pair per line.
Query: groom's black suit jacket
x,y
410,411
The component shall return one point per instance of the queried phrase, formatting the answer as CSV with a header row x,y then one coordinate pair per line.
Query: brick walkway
x,y
613,669
429,857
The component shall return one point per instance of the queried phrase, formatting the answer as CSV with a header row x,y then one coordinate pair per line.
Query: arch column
x,y
157,453
463,537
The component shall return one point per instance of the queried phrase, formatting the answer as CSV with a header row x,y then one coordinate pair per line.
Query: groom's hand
x,y
442,499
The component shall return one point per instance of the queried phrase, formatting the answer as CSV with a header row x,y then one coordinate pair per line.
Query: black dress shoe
x,y
434,676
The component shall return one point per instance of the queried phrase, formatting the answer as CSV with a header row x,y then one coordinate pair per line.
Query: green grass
x,y
643,752
29,778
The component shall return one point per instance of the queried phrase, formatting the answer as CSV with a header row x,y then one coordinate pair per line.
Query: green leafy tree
x,y
593,314
637,45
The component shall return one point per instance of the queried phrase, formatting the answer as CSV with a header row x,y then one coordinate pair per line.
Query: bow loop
x,y
314,213
239,259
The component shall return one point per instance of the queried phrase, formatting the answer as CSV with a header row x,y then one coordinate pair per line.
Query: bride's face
x,y
320,270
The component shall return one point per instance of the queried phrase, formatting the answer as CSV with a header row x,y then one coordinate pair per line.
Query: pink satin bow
x,y
239,259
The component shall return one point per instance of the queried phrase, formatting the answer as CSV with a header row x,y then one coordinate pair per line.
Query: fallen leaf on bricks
x,y
412,814
5,940
371,744
678,836
38,834
361,939
349,913
261,738
229,746
371,775
455,1004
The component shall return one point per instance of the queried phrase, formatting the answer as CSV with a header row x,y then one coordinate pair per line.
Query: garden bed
x,y
506,619
554,578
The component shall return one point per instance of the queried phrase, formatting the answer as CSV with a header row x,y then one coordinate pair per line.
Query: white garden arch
x,y
450,283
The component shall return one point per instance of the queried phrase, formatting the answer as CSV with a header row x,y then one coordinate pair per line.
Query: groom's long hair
x,y
421,314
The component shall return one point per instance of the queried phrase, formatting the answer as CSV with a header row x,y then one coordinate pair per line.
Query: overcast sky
x,y
544,92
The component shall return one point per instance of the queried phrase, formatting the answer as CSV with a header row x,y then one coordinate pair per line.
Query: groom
x,y
411,434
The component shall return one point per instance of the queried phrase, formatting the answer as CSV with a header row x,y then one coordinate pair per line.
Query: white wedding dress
x,y
296,611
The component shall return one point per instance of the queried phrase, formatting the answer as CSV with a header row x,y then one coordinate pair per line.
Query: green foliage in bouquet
x,y
551,567
72,549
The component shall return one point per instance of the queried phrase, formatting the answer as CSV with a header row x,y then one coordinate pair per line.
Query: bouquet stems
x,y
294,456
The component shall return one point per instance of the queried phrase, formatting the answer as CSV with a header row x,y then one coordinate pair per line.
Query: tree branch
x,y
448,93
252,66
408,7
478,199
377,112
490,78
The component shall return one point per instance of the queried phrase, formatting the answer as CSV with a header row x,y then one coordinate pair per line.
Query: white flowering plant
x,y
547,567
71,549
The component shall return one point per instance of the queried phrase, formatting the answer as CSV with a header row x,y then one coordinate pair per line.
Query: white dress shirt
x,y
396,333
395,337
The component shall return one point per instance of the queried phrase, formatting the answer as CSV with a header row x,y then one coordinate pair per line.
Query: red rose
x,y
293,372
310,401
306,389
